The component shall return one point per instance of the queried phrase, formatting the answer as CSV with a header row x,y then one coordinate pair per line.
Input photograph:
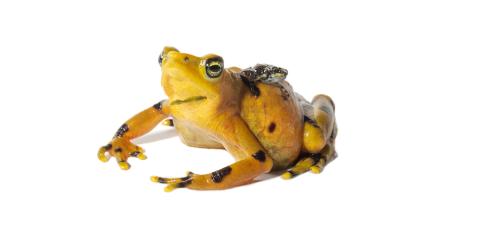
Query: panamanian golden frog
x,y
251,113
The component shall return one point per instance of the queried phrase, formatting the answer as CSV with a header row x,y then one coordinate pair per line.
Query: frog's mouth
x,y
187,100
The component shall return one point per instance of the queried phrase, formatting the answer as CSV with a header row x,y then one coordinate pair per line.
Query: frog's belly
x,y
276,121
193,136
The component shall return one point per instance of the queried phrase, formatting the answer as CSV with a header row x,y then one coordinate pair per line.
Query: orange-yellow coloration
x,y
212,107
313,138
316,169
284,142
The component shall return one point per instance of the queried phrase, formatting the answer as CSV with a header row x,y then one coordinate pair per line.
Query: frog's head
x,y
185,76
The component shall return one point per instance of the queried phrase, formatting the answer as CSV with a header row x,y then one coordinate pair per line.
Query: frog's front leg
x,y
121,146
252,161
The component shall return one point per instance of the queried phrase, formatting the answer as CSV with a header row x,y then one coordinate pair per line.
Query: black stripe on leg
x,y
134,153
121,131
108,147
184,183
162,180
292,173
217,176
316,158
260,156
158,105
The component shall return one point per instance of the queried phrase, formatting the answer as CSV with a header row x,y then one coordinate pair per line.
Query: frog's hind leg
x,y
319,136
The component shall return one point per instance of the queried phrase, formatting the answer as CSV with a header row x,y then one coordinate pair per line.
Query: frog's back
x,y
275,118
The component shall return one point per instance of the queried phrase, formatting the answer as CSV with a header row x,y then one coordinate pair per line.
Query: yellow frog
x,y
252,113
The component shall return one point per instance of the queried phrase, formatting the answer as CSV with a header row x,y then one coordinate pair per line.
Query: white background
x,y
403,75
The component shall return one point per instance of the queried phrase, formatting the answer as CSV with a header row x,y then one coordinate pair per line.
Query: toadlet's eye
x,y
214,67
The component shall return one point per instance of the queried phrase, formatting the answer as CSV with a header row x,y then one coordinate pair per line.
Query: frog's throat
x,y
190,99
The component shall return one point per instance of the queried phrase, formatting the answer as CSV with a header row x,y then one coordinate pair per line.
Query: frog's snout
x,y
280,72
283,71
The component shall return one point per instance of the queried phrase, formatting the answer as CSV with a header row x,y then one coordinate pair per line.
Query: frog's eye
x,y
214,67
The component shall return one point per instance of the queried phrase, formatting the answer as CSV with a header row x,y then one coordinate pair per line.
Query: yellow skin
x,y
211,107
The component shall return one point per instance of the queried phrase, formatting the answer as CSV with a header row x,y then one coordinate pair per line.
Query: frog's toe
x,y
316,169
140,149
287,175
124,165
122,155
172,186
132,150
320,165
173,183
138,155
103,153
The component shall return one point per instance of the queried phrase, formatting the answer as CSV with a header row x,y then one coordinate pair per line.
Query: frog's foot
x,y
238,173
314,163
121,149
